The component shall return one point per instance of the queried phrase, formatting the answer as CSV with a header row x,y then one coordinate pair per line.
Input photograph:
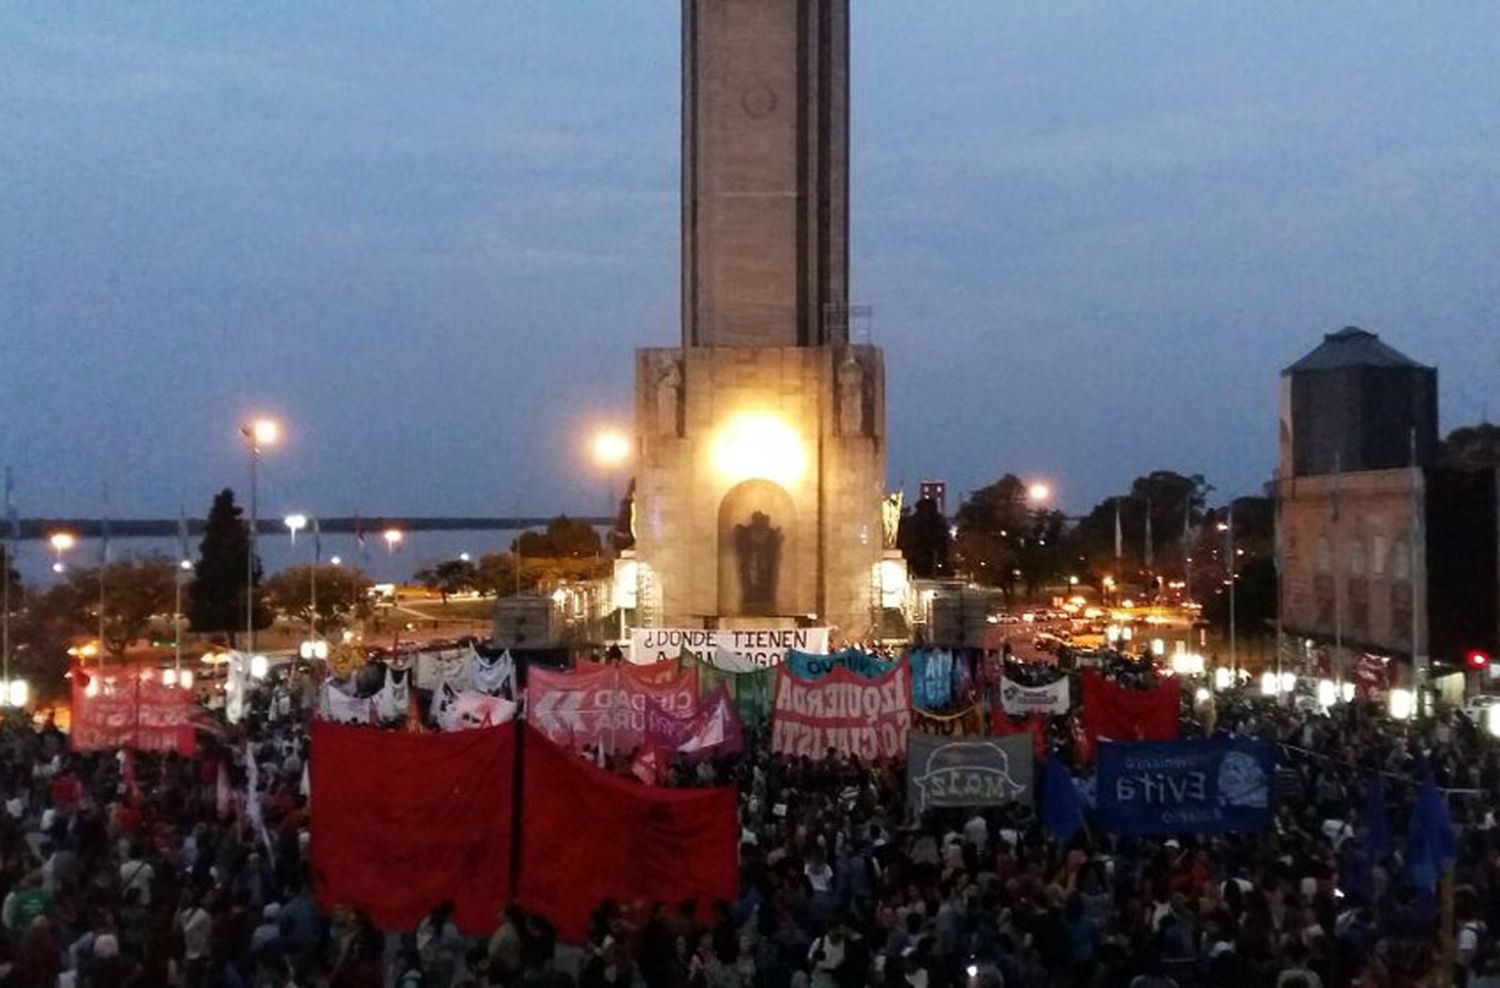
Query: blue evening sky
x,y
429,236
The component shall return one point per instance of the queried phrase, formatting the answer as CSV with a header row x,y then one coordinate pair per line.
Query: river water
x,y
35,558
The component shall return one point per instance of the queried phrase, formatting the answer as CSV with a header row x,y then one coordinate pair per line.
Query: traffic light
x,y
1476,659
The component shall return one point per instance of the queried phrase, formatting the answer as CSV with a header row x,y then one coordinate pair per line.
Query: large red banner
x,y
604,705
402,821
130,708
1115,713
842,711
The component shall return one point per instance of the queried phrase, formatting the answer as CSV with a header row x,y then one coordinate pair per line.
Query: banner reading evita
x,y
731,651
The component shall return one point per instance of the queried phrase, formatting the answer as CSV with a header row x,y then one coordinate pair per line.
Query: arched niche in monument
x,y
757,533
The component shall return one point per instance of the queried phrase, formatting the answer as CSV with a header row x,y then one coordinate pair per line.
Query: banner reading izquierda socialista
x,y
729,651
1186,787
843,712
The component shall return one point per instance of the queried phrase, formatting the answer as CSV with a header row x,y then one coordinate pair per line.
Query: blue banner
x,y
810,665
1186,787
931,679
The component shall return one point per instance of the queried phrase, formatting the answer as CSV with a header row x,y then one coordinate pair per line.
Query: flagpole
x,y
1277,557
1234,651
1419,668
103,562
177,607
317,558
1338,580
1187,550
10,562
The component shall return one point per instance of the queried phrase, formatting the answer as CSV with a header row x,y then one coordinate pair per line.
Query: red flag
x,y
664,845
406,820
1002,724
1115,713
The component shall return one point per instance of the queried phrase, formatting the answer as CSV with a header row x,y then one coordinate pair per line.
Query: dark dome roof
x,y
1351,347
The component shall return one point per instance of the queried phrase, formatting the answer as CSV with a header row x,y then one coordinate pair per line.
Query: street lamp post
x,y
259,433
296,523
1227,527
610,448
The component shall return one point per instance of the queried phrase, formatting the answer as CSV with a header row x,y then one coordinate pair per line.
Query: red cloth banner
x,y
589,835
604,705
1003,724
404,821
713,729
130,708
1115,713
843,711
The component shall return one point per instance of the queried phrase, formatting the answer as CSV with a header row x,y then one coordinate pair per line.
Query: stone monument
x,y
761,439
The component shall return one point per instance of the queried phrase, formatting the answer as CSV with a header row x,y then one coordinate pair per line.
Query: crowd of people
x,y
129,871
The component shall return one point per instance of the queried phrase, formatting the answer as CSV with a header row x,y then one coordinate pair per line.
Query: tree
x,y
1254,539
564,538
447,577
216,599
51,618
1002,538
1472,447
925,539
1176,505
343,593
9,574
135,591
1254,599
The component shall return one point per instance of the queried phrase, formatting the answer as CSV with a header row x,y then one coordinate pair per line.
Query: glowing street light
x,y
1038,492
337,560
393,537
61,542
610,448
262,432
295,523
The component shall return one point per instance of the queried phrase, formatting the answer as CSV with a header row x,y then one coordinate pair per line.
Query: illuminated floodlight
x,y
758,446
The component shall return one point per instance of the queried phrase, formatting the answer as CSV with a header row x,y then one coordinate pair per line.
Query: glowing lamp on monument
x,y
759,446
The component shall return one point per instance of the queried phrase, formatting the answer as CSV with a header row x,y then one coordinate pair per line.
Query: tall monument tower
x,y
761,440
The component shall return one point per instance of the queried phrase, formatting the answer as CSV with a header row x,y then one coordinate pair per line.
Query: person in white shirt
x,y
136,873
826,956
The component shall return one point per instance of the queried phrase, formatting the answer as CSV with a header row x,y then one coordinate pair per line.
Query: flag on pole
x,y
1119,534
12,522
1062,810
1431,843
359,534
183,556
253,810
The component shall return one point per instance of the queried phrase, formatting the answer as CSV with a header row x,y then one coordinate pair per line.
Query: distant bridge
x,y
40,528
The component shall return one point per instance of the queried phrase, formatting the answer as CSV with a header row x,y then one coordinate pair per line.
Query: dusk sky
x,y
429,238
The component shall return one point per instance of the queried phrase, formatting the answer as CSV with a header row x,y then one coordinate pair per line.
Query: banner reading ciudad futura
x,y
729,651
967,772
1186,787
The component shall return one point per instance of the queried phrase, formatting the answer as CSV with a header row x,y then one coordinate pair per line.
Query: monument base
x,y
759,479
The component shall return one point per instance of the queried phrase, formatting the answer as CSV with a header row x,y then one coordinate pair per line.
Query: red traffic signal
x,y
1475,659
